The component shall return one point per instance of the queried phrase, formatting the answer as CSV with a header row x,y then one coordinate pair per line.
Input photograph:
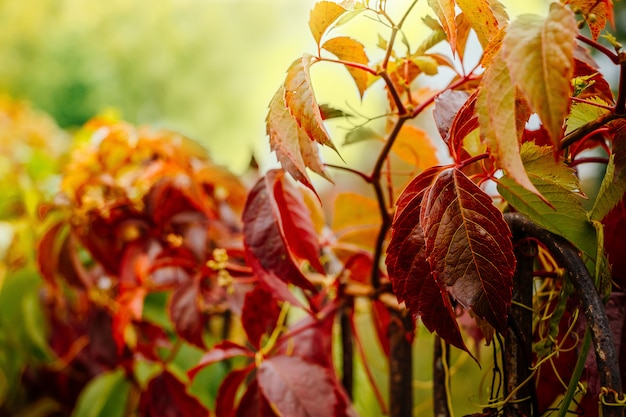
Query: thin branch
x,y
588,128
620,104
600,48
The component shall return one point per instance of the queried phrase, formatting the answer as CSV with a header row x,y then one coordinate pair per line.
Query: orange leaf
x,y
322,16
356,219
414,147
294,150
301,102
481,18
444,9
539,55
348,49
603,11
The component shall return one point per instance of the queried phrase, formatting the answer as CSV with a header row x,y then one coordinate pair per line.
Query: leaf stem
x,y
600,48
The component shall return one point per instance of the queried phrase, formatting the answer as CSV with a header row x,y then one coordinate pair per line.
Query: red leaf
x,y
264,236
253,404
297,388
294,220
225,400
465,121
221,351
259,315
468,246
410,271
310,338
167,396
186,313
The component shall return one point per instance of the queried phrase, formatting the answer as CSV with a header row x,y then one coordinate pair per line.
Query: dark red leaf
x,y
253,404
221,351
48,253
167,396
225,400
410,271
263,237
297,388
259,315
186,313
468,245
310,338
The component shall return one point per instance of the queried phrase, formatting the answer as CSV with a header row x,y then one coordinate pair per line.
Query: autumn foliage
x,y
161,269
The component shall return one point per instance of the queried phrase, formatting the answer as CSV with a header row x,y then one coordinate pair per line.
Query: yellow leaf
x,y
322,16
481,18
350,50
414,147
444,9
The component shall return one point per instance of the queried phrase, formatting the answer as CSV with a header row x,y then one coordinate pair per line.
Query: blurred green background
x,y
206,68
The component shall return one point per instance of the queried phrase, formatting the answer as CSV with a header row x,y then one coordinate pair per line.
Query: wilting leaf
x,y
167,396
465,122
265,238
413,146
558,184
468,245
463,29
323,14
294,150
444,9
259,315
301,102
501,124
602,9
350,50
297,388
539,55
482,19
447,105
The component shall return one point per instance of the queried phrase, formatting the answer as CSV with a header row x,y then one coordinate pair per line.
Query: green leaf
x,y
611,191
360,134
500,125
104,396
539,55
322,16
583,113
558,184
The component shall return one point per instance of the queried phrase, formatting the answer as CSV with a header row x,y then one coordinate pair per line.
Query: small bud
x,y
580,24
592,18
